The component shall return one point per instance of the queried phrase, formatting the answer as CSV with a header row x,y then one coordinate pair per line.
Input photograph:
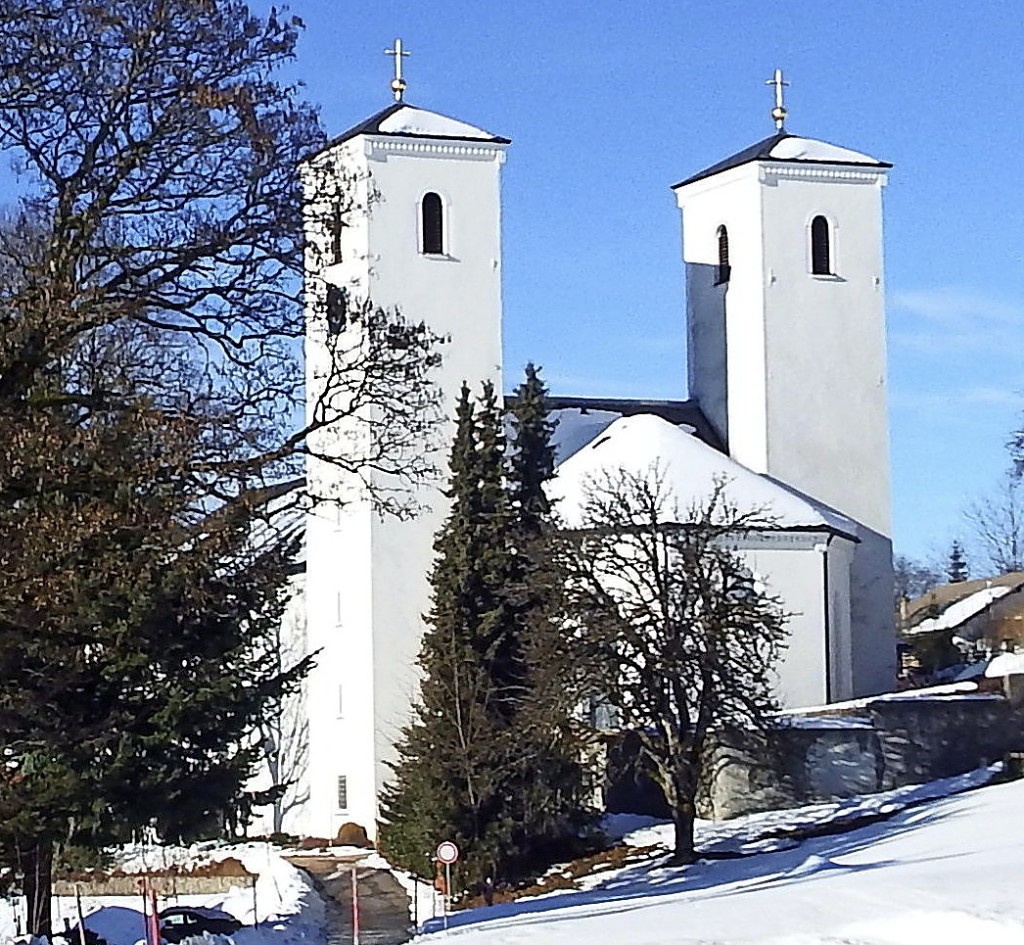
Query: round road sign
x,y
447,853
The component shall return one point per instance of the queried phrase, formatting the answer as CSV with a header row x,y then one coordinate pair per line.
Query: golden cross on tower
x,y
397,83
779,112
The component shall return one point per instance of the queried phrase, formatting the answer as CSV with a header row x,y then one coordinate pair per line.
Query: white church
x,y
785,312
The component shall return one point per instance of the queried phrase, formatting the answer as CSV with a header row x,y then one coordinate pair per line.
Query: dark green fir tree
x,y
488,761
455,758
532,461
553,795
957,570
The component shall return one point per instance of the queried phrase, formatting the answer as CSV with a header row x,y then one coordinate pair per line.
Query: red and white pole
x,y
154,916
355,907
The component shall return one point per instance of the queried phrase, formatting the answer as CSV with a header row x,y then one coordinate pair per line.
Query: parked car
x,y
71,936
179,922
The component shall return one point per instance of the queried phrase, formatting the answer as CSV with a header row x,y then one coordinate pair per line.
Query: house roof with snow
x,y
402,120
786,148
950,606
641,443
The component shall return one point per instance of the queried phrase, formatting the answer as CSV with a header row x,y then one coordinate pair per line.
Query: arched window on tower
x,y
821,248
432,225
724,268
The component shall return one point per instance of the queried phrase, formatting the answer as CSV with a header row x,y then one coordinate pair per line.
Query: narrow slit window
x,y
432,211
337,225
821,248
342,792
724,269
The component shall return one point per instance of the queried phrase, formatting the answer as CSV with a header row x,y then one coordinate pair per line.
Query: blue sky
x,y
609,103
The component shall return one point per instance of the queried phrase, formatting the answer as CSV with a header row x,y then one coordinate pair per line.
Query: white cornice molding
x,y
767,171
797,539
411,147
834,173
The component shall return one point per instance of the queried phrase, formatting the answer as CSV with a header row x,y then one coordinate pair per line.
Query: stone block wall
x,y
829,756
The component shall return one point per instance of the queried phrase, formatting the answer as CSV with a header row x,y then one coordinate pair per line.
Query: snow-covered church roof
x,y
690,469
402,120
787,148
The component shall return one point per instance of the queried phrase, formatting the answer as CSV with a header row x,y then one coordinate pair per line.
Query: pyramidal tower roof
x,y
790,149
402,120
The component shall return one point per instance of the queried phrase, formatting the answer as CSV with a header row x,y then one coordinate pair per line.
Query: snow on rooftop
x,y
954,690
1005,664
690,467
961,611
418,121
794,148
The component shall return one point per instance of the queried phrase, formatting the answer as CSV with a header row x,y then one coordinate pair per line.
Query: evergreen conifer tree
x,y
533,456
553,794
454,758
957,570
488,760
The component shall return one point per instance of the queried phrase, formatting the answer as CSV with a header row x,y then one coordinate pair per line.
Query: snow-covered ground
x,y
287,907
945,867
941,873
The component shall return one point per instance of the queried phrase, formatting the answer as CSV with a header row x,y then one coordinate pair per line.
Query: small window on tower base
x,y
342,792
724,270
821,247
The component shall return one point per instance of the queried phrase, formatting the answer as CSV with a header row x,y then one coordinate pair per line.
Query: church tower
x,y
782,244
420,232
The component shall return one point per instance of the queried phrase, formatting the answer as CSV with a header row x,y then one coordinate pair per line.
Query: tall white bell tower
x,y
786,343
425,237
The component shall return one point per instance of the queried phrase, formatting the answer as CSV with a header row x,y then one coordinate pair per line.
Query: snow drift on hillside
x,y
944,873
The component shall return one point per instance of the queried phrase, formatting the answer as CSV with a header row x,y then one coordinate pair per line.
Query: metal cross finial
x,y
397,83
779,112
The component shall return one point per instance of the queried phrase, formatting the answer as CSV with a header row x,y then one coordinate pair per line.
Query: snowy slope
x,y
946,873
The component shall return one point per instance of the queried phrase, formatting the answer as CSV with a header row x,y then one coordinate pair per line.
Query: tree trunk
x,y
37,862
682,821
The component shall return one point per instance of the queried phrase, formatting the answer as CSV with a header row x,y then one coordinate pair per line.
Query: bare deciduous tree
x,y
678,637
997,521
284,730
153,400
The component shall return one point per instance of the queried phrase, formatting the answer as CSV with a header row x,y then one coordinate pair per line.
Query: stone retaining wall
x,y
182,885
880,745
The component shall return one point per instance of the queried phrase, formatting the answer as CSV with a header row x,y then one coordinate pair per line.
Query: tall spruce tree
x,y
532,461
488,760
455,757
553,794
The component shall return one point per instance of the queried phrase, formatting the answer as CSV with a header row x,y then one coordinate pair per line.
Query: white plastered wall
x,y
828,430
791,567
803,395
367,574
725,324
